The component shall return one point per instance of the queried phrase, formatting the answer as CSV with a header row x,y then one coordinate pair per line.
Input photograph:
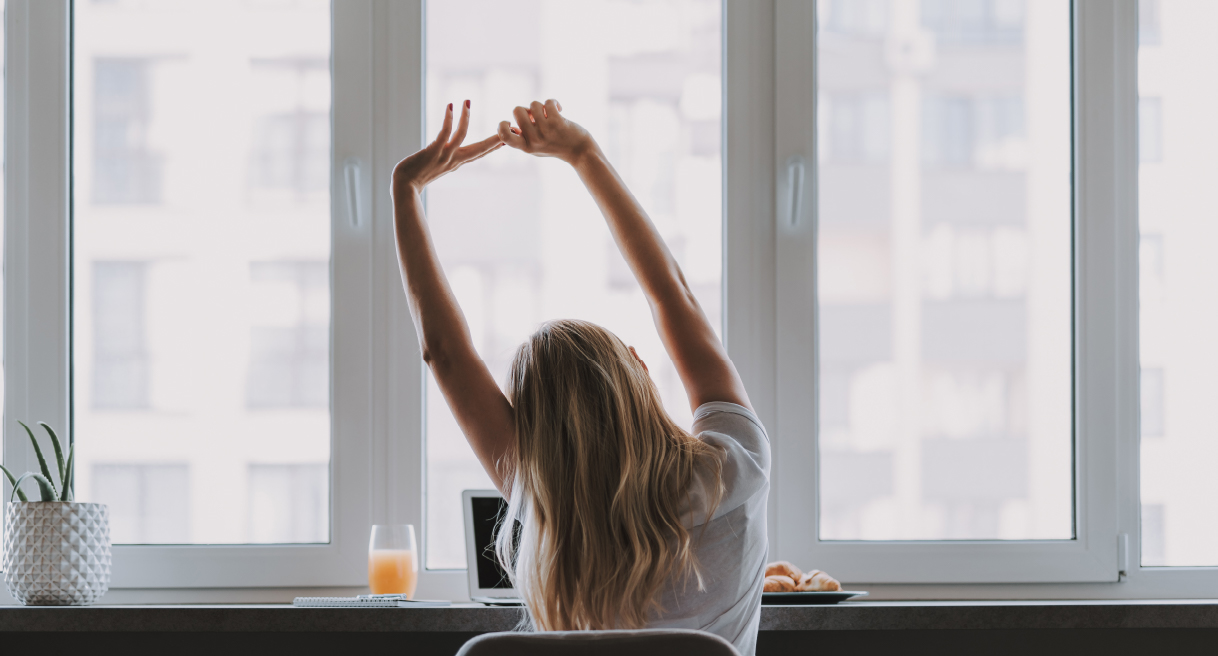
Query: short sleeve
x,y
738,432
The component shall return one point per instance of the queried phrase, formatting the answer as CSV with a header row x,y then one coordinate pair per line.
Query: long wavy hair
x,y
600,478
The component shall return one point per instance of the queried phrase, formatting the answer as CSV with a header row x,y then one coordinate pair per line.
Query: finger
x,y
462,127
510,136
527,128
447,128
553,108
538,111
497,146
475,150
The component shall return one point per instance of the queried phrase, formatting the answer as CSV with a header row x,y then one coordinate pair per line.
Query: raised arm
x,y
482,411
701,360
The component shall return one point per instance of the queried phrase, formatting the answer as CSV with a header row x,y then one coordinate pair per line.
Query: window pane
x,y
1178,85
944,292
520,239
201,245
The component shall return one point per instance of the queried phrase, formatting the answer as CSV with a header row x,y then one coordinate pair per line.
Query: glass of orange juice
x,y
392,565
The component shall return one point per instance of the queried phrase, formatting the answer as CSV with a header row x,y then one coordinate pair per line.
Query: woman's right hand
x,y
543,131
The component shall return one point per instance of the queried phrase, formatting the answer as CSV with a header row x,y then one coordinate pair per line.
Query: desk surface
x,y
467,618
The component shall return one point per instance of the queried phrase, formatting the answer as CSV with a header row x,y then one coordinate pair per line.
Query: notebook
x,y
368,601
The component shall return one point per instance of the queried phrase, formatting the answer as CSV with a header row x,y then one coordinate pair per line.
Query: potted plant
x,y
56,550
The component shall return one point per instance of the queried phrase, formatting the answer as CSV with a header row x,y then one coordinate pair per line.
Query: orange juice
x,y
392,571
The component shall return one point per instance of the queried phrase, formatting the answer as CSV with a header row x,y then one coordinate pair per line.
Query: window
x,y
120,365
289,336
1150,129
1148,23
127,168
1177,323
942,358
149,502
289,503
209,308
974,21
958,249
519,237
1152,403
926,392
291,134
855,17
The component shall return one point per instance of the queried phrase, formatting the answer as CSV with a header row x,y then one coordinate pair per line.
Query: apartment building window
x,y
1149,30
1150,129
857,127
1152,392
1154,535
120,343
289,362
972,22
289,503
149,502
291,140
855,17
978,131
127,169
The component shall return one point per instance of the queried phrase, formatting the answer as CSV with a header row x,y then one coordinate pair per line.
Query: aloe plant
x,y
46,484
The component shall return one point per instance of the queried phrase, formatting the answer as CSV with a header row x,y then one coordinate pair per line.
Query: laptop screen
x,y
486,513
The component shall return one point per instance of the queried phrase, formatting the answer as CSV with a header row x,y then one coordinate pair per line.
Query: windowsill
x,y
475,618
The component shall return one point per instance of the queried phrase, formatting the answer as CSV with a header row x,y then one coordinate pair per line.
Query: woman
x,y
628,521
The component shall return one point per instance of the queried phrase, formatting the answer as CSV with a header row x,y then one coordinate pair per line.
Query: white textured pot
x,y
57,553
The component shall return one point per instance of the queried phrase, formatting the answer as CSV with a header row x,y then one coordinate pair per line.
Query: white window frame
x,y
38,303
1091,556
378,446
1103,560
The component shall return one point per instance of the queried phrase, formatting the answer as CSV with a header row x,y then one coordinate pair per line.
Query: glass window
x,y
289,359
1177,212
287,503
943,256
1150,129
120,348
149,502
201,246
1148,22
520,239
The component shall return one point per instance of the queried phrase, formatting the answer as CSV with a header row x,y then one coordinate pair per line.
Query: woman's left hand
x,y
441,156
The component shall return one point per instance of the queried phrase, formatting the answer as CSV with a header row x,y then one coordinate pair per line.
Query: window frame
x,y
1091,556
378,379
40,47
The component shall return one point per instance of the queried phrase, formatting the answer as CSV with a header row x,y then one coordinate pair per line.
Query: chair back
x,y
651,642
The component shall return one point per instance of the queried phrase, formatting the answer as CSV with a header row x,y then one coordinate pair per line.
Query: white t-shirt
x,y
731,547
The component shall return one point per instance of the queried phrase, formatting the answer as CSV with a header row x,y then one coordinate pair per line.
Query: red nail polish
x,y
467,104
450,107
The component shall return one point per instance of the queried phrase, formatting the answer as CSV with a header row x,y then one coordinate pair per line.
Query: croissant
x,y
779,583
783,568
817,581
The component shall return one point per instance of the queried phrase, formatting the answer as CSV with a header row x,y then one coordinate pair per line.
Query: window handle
x,y
795,181
351,168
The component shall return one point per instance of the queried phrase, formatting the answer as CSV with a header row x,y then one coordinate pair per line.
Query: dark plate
x,y
807,598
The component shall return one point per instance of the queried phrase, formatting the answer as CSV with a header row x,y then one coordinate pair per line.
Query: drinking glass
x,y
393,567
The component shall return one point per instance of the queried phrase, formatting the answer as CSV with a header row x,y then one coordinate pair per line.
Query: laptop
x,y
488,583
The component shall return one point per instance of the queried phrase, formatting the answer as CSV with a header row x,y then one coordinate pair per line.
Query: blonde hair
x,y
600,476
